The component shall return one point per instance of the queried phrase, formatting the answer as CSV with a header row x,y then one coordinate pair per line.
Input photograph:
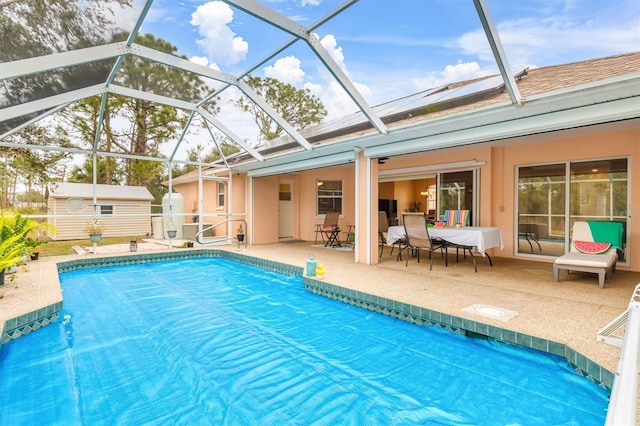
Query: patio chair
x,y
417,237
329,230
383,228
455,217
594,248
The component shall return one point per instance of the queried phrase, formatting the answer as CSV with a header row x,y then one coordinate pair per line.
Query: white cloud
x,y
451,73
200,60
552,40
218,42
330,43
287,70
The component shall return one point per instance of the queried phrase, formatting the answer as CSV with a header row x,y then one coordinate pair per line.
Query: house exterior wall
x,y
212,213
497,185
265,219
578,145
133,219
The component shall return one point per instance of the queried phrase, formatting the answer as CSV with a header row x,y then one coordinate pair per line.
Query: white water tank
x,y
175,213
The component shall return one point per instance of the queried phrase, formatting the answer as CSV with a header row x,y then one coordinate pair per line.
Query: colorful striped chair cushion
x,y
453,217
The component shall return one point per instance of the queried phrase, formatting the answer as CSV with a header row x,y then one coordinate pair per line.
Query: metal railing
x,y
623,404
221,239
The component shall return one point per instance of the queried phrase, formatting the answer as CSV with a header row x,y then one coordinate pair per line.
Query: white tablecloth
x,y
481,237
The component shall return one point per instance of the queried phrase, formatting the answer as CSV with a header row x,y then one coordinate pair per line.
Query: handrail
x,y
623,403
221,239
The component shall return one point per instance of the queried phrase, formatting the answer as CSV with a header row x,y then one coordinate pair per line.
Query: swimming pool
x,y
211,341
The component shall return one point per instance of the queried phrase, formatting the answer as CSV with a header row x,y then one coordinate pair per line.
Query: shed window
x,y
106,210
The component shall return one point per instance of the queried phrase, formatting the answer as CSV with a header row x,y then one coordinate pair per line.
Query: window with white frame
x,y
551,197
329,196
221,194
106,210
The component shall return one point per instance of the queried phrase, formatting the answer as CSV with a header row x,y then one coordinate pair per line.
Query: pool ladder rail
x,y
219,240
623,402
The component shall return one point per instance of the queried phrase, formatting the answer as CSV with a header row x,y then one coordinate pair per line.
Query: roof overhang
x,y
601,102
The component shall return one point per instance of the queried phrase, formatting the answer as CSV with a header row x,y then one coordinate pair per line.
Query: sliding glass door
x,y
456,191
552,197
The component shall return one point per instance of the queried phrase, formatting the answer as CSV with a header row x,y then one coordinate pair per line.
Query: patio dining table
x,y
465,238
480,237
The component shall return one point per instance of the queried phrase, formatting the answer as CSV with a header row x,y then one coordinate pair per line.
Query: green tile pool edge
x,y
17,327
424,316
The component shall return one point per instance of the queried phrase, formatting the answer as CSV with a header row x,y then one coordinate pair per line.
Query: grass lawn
x,y
62,248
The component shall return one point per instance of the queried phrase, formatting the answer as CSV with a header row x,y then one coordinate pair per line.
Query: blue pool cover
x,y
213,342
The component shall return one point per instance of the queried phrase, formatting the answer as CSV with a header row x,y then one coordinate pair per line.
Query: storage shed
x,y
123,210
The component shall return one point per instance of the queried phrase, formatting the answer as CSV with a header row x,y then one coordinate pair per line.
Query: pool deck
x,y
569,312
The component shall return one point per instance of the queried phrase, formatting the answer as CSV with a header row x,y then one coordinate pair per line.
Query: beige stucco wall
x,y
211,212
307,202
578,145
497,184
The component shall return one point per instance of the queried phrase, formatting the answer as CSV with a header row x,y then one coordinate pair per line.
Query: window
x,y
221,194
106,210
329,195
552,197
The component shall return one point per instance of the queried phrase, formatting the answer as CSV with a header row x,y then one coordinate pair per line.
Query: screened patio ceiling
x,y
60,52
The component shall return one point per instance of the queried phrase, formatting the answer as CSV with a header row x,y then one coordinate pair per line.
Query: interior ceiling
x,y
43,72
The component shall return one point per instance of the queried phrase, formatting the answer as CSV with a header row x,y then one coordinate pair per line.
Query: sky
x,y
392,48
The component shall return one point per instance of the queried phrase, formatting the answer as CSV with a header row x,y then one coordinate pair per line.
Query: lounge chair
x,y
329,230
417,237
603,263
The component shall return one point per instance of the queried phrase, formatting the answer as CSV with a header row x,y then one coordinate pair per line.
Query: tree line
x,y
130,126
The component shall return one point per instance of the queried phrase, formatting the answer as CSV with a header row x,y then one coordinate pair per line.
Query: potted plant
x,y
94,229
171,229
13,231
240,233
31,244
26,226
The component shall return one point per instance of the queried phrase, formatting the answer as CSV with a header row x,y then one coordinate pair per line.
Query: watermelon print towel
x,y
607,232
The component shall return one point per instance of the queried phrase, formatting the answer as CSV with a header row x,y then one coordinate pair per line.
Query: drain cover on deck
x,y
492,312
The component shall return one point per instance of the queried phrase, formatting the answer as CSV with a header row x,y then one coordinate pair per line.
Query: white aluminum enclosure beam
x,y
213,138
141,17
498,51
51,102
287,44
192,67
579,106
151,97
88,152
346,83
268,15
96,139
43,63
181,138
32,121
224,129
312,163
181,64
247,90
583,105
522,126
80,56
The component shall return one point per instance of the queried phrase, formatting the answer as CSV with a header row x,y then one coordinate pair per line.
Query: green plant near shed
x,y
14,239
